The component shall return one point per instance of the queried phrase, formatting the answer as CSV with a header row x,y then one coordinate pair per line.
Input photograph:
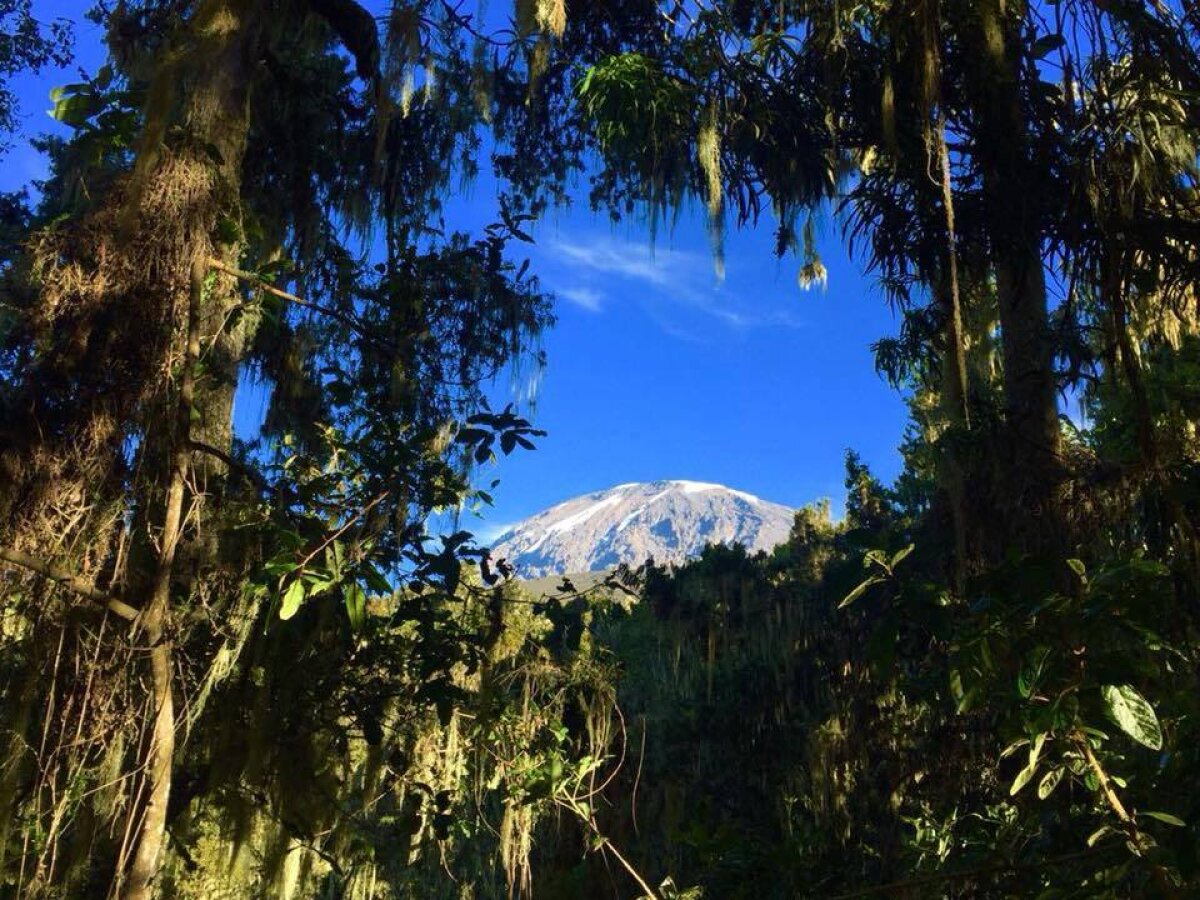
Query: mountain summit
x,y
668,520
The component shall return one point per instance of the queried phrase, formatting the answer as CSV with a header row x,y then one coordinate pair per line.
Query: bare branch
x,y
70,580
349,321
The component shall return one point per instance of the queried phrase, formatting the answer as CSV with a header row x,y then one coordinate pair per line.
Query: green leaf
x,y
1031,671
471,436
1022,779
1049,782
292,598
859,591
1077,567
956,685
375,580
1035,751
1046,45
1166,817
1013,747
874,558
901,555
968,699
1098,833
280,566
74,109
356,606
1133,714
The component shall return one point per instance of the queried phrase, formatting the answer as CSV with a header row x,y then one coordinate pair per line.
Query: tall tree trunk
x,y
955,398
216,122
956,349
155,622
1033,474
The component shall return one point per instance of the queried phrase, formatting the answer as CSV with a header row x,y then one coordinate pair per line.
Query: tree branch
x,y
1161,877
349,321
232,464
70,580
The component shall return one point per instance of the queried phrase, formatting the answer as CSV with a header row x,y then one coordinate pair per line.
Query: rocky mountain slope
x,y
667,520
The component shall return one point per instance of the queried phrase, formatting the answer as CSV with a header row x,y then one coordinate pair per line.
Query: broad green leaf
x,y
956,685
74,109
874,558
292,598
1077,567
317,582
1049,782
901,555
356,606
1031,671
1133,714
860,590
1166,817
963,699
1013,747
968,699
280,566
1035,751
1022,779
1046,45
375,581
471,436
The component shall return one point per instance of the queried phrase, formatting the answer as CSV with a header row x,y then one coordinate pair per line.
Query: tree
x,y
225,149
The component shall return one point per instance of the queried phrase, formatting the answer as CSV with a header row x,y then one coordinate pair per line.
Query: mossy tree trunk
x,y
214,74
1033,476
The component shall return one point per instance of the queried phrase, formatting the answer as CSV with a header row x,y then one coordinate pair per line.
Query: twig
x,y
606,844
69,579
349,321
609,846
1166,886
638,777
379,498
232,463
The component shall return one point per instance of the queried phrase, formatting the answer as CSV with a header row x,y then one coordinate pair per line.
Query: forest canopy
x,y
241,665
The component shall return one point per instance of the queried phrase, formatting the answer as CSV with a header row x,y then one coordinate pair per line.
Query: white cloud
x,y
583,297
668,278
609,256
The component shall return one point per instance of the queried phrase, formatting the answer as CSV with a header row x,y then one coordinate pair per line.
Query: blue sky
x,y
657,368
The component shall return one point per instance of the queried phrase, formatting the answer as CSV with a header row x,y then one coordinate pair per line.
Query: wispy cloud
x,y
609,256
664,277
583,297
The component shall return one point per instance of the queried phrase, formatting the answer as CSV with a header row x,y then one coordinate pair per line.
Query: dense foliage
x,y
238,665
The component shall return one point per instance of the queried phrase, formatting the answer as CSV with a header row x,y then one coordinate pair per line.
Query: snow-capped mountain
x,y
668,520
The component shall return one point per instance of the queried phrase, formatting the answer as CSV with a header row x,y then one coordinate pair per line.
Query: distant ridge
x,y
668,520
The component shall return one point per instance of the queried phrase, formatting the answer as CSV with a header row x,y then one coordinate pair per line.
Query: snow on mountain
x,y
668,520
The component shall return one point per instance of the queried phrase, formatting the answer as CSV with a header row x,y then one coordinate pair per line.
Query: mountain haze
x,y
668,520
